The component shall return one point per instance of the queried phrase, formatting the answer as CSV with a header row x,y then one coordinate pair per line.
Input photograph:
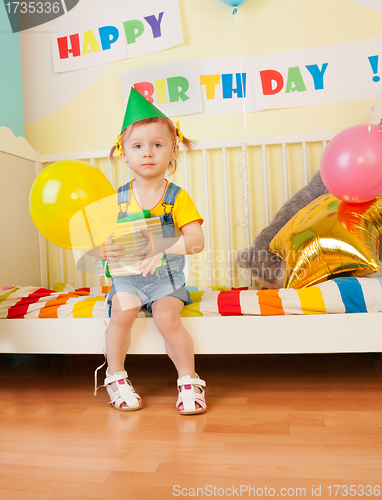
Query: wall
x,y
91,115
11,93
19,255
83,110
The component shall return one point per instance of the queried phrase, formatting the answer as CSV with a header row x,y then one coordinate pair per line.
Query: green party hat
x,y
139,108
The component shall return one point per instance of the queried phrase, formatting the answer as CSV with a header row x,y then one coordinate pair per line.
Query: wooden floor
x,y
277,426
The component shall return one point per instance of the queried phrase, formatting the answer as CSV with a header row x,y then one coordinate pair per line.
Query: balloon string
x,y
244,201
241,76
88,227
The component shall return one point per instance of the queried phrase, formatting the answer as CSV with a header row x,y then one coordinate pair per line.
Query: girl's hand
x,y
191,241
108,251
153,252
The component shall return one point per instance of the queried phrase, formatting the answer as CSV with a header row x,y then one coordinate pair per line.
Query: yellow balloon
x,y
329,237
73,205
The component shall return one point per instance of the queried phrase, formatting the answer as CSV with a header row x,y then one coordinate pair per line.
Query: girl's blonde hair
x,y
174,131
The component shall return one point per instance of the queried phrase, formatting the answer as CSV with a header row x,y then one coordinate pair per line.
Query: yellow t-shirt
x,y
183,213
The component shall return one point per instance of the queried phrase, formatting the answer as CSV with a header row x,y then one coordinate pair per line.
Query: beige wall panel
x,y
19,255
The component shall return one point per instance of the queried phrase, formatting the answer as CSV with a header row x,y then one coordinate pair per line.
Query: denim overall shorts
x,y
168,280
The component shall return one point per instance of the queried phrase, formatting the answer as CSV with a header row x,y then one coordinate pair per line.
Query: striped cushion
x,y
341,295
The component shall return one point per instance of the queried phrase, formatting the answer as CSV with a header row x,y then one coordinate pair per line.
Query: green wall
x,y
11,89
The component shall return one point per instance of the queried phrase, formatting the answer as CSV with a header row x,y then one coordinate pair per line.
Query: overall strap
x,y
168,222
169,197
124,196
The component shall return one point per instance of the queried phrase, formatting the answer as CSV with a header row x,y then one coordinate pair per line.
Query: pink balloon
x,y
351,165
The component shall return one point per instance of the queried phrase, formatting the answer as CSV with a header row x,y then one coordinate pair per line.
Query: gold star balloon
x,y
329,237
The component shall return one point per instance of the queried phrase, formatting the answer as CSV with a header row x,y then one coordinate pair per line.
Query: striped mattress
x,y
340,295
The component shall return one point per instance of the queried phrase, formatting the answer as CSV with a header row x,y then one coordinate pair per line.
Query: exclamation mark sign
x,y
374,66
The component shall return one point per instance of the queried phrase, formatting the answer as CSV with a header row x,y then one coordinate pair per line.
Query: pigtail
x,y
188,145
111,154
117,149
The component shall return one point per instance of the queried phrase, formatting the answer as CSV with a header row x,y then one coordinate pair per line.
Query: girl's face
x,y
148,150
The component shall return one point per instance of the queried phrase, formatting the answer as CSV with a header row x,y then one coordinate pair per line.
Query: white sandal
x,y
125,392
189,397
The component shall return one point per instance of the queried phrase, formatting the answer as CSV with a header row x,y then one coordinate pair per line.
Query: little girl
x,y
149,145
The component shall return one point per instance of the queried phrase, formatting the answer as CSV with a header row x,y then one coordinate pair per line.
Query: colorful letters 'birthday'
x,y
272,81
177,86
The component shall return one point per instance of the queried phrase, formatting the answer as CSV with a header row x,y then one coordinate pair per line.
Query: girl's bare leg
x,y
124,310
178,341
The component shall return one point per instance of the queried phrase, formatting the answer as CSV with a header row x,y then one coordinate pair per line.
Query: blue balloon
x,y
233,3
